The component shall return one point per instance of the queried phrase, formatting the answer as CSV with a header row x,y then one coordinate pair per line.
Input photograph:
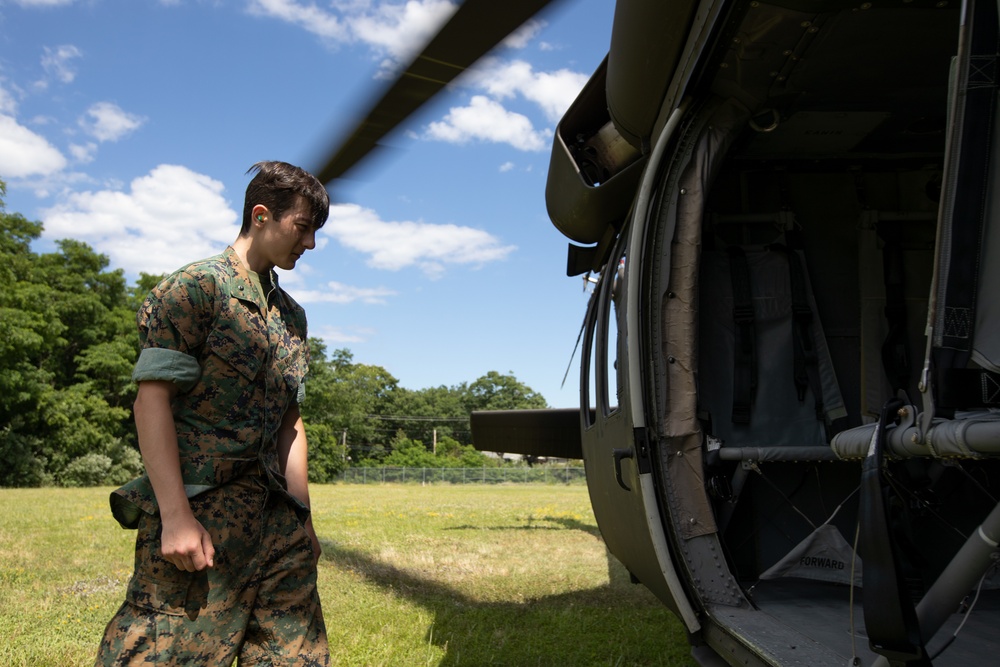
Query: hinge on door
x,y
643,461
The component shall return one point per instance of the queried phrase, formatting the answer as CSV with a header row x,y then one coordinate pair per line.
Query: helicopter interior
x,y
817,167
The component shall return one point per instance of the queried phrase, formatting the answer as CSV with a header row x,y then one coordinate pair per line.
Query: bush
x,y
21,466
87,470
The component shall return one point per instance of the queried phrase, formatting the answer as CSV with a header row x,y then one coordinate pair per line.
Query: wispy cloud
x,y
43,3
309,17
109,122
335,292
8,104
521,37
58,62
335,336
395,245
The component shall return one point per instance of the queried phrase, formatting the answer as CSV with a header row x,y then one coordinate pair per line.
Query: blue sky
x,y
129,124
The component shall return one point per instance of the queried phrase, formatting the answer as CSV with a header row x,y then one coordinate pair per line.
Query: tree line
x,y
68,342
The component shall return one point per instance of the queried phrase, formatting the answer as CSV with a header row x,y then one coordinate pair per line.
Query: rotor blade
x,y
583,326
475,28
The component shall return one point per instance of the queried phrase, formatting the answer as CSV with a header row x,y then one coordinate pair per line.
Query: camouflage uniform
x,y
239,360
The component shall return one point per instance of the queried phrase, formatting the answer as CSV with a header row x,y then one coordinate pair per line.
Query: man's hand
x,y
185,543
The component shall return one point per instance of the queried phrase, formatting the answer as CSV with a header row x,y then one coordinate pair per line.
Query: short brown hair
x,y
277,185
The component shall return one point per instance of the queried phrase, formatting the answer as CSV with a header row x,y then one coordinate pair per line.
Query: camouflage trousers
x,y
259,602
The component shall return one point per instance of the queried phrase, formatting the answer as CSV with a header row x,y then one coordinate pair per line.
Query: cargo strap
x,y
806,367
890,616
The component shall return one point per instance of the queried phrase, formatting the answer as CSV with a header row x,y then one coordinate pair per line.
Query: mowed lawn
x,y
410,575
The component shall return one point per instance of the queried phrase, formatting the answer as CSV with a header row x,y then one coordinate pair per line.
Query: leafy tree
x,y
494,391
340,396
454,454
410,454
67,345
421,414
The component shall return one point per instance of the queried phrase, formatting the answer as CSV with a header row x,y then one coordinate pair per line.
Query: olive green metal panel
x,y
554,433
646,43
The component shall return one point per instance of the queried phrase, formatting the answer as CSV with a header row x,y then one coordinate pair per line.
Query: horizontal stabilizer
x,y
554,433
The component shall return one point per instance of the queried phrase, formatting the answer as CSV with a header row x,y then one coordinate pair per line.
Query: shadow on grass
x,y
564,524
617,624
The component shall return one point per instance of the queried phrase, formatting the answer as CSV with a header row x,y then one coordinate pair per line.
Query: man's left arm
x,y
293,457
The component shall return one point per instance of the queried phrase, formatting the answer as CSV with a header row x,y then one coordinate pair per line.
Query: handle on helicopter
x,y
620,454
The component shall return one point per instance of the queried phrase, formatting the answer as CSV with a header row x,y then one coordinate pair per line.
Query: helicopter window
x,y
611,312
588,361
602,343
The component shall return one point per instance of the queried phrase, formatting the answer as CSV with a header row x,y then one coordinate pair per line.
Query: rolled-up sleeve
x,y
158,363
172,324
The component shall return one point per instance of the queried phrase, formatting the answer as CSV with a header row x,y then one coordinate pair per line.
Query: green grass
x,y
410,575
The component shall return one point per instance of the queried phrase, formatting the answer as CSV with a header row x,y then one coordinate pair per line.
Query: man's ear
x,y
260,214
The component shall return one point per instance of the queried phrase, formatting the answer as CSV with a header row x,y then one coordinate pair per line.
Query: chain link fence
x,y
526,475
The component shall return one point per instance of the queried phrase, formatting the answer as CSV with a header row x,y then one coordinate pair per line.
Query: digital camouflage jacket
x,y
238,358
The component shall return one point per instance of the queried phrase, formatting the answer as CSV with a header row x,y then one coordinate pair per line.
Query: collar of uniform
x,y
240,282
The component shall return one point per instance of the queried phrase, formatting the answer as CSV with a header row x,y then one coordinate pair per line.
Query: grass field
x,y
410,575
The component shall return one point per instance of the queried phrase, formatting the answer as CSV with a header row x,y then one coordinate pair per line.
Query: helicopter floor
x,y
819,611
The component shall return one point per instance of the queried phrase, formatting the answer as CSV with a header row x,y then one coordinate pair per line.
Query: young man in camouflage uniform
x,y
225,562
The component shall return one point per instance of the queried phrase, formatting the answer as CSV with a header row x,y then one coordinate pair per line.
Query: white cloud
x,y
24,153
8,105
108,122
83,153
394,30
168,218
342,294
397,245
309,17
506,166
487,120
335,336
401,30
523,35
552,91
57,62
43,3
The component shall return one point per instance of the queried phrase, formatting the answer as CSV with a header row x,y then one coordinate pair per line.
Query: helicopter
x,y
790,370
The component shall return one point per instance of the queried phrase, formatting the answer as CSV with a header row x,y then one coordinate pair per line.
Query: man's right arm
x,y
184,541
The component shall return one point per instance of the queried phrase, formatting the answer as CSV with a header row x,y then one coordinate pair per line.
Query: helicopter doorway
x,y
618,467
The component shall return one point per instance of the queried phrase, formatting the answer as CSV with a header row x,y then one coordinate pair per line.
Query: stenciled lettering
x,y
824,563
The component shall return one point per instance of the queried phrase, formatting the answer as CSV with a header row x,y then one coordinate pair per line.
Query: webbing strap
x,y
890,617
745,353
806,358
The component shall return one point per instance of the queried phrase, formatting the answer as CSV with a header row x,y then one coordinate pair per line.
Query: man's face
x,y
286,239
